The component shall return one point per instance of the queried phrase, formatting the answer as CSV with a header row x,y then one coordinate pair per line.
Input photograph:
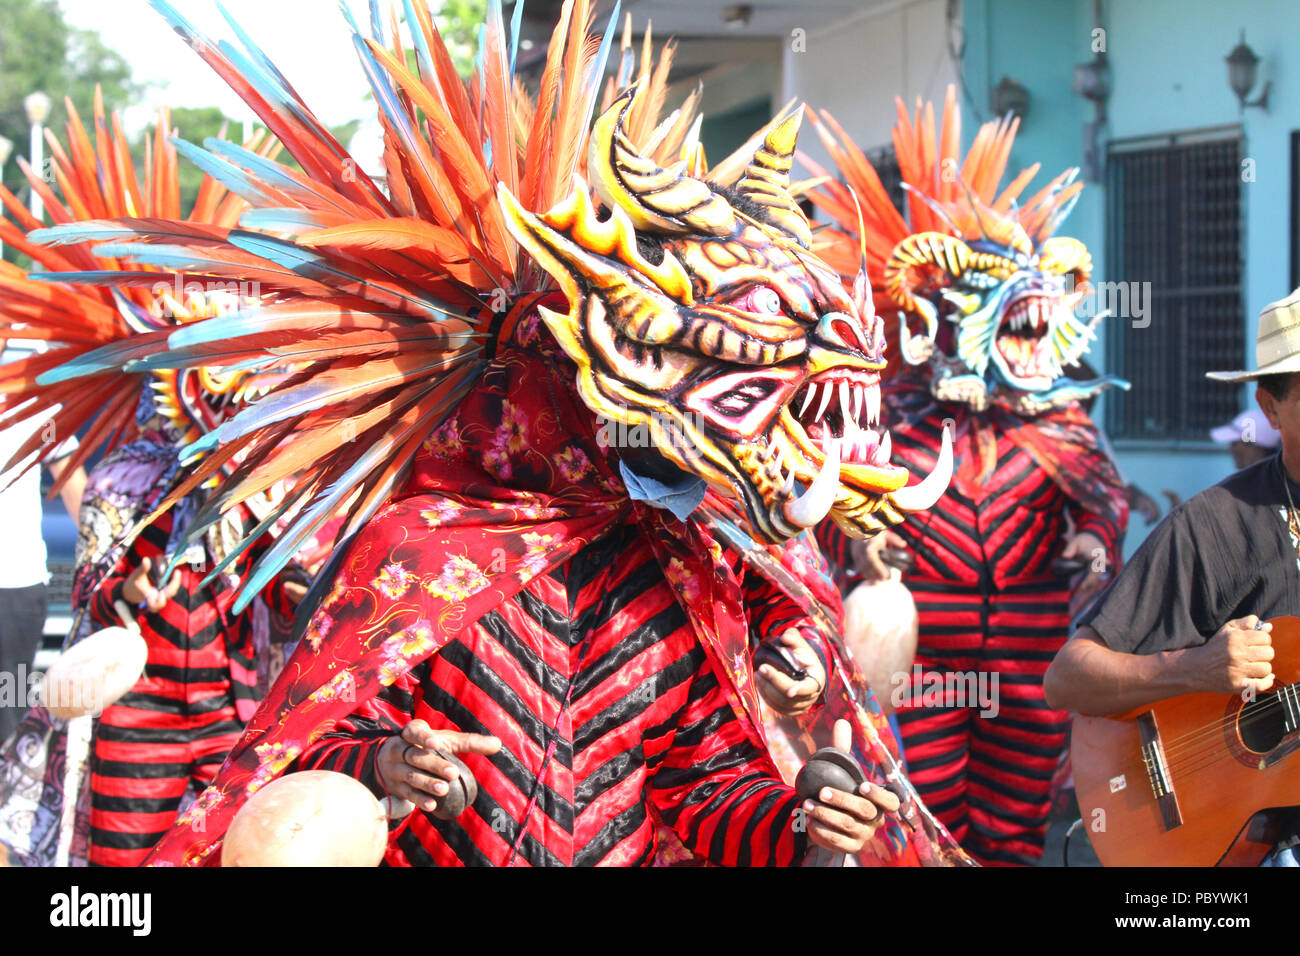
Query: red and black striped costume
x,y
606,643
610,717
990,604
178,722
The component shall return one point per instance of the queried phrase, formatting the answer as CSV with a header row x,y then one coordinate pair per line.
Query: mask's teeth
x,y
845,405
883,452
858,398
788,488
873,405
807,398
827,390
849,443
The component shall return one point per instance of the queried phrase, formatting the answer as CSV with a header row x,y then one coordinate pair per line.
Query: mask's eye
x,y
761,300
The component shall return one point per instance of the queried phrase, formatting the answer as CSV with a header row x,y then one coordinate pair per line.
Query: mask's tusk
x,y
815,503
922,496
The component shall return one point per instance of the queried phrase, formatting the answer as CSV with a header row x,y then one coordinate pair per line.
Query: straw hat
x,y
1277,349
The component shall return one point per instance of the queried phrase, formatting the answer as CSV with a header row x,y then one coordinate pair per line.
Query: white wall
x,y
854,68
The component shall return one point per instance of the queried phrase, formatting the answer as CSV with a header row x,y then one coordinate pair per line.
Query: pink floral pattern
x,y
459,579
393,580
573,464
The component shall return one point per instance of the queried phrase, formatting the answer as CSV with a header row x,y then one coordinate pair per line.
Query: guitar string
x,y
1254,712
1211,733
1200,760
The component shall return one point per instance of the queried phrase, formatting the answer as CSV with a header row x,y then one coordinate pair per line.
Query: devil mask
x,y
699,314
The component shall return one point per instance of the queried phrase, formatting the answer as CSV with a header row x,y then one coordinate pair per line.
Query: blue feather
x,y
598,66
233,178
316,515
278,96
284,404
321,583
347,15
251,536
178,23
93,230
269,170
304,526
99,277
422,54
280,220
734,534
163,256
387,99
313,266
102,359
481,38
514,36
255,51
234,325
175,359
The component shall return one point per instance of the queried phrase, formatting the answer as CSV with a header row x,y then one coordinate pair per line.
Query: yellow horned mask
x,y
698,313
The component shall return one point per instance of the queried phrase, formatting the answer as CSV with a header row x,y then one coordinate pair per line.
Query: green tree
x,y
458,21
39,51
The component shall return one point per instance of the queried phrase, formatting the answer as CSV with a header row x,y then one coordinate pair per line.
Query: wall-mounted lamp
x,y
1243,71
1092,82
1010,97
737,15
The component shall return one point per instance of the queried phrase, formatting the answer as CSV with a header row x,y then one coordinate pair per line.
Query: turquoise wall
x,y
1168,75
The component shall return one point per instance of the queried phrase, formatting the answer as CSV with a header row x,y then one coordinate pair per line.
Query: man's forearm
x,y
1088,677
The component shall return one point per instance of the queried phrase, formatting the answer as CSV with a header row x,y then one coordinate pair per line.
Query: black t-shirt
x,y
1224,554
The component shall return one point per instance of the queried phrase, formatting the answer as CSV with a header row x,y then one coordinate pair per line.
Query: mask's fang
x,y
815,503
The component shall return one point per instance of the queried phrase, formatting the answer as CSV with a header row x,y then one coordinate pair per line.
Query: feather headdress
x,y
100,324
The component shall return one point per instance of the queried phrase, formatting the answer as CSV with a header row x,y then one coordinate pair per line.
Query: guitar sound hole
x,y
1261,723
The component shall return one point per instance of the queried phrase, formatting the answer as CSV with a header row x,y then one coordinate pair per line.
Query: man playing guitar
x,y
1188,612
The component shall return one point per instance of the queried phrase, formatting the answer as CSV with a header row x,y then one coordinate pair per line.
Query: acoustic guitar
x,y
1195,780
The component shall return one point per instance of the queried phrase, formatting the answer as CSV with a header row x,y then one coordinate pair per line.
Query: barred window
x,y
1174,238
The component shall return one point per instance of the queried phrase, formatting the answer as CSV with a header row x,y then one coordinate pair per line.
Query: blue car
x,y
60,533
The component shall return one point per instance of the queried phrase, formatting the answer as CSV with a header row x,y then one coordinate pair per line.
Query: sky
x,y
307,39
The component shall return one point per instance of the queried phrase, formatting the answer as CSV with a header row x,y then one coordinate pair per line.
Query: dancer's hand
x,y
784,694
138,587
410,770
845,822
294,592
1086,546
866,554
